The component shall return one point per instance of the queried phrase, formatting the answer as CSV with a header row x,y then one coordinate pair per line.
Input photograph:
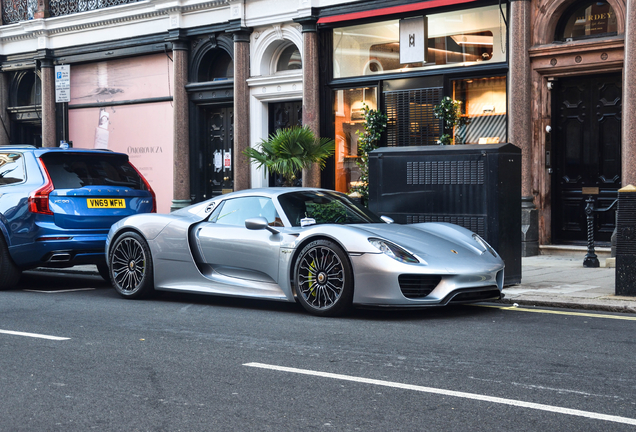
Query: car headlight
x,y
484,245
393,250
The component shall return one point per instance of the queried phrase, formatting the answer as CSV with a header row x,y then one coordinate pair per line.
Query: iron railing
x,y
14,11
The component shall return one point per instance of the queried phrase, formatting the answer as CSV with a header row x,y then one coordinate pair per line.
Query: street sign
x,y
62,83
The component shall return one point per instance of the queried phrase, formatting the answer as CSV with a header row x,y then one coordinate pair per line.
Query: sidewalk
x,y
562,281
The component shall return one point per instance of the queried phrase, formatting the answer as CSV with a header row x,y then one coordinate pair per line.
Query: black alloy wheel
x,y
131,271
323,279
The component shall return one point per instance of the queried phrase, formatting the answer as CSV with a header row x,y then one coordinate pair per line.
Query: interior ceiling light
x,y
472,40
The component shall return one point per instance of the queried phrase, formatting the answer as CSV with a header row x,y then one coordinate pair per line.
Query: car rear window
x,y
11,168
76,170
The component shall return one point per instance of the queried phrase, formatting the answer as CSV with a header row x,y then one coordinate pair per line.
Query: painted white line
x,y
59,291
34,335
473,396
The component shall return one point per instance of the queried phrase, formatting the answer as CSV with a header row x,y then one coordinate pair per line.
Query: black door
x,y
284,115
215,164
587,155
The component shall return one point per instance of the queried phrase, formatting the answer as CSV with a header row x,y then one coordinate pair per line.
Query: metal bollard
x,y
591,260
626,242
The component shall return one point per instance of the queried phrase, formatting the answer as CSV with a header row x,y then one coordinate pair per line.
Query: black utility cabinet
x,y
475,186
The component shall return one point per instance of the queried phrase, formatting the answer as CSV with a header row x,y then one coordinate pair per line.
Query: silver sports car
x,y
314,246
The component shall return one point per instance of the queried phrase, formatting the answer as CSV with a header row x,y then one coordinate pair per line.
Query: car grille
x,y
418,286
481,294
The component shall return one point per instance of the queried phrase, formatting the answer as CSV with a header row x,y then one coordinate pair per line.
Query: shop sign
x,y
413,40
62,83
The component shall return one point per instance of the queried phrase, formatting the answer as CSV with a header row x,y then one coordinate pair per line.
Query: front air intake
x,y
418,286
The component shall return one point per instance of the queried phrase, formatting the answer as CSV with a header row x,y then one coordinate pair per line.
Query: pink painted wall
x,y
144,130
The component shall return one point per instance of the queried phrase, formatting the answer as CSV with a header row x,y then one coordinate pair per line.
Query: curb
x,y
571,305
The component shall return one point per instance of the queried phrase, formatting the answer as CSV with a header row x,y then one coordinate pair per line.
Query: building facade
x,y
184,87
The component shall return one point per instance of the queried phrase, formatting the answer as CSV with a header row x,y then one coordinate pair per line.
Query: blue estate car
x,y
57,205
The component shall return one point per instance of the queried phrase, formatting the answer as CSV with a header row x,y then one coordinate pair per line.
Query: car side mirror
x,y
387,219
259,223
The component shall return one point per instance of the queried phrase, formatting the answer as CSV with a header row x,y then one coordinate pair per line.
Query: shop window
x,y
587,19
411,119
483,105
460,38
349,117
216,65
289,59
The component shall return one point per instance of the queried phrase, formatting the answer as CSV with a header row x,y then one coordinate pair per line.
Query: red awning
x,y
413,7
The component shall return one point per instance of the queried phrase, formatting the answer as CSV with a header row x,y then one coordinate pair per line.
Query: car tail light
x,y
154,197
39,199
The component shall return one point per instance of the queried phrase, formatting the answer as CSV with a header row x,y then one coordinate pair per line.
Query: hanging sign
x,y
62,83
413,40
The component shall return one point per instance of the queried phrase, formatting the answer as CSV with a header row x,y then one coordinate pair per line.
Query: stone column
x,y
311,91
181,135
520,118
241,108
629,98
49,136
5,123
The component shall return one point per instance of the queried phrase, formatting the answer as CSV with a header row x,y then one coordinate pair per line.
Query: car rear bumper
x,y
63,249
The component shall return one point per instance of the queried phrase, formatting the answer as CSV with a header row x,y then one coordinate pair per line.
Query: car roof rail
x,y
19,146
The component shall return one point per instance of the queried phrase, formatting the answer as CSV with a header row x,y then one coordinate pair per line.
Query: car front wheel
x,y
131,266
323,279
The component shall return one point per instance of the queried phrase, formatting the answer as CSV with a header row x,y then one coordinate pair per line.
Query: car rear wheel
x,y
9,273
323,279
131,266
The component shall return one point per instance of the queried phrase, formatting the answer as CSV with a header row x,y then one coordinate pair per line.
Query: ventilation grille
x,y
412,121
445,173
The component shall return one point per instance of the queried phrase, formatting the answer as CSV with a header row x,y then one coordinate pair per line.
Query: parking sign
x,y
62,83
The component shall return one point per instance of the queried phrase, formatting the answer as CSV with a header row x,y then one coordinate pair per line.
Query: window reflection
x,y
454,38
289,59
349,116
484,107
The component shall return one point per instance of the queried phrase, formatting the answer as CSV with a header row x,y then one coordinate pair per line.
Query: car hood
x,y
433,242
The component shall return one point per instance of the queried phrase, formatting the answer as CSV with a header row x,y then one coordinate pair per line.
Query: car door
x,y
233,250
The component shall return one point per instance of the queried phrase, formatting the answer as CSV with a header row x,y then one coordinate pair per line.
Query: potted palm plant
x,y
287,151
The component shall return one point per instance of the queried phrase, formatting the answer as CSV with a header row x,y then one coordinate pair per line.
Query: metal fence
x,y
22,10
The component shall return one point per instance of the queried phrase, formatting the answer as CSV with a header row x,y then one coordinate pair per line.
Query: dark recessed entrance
x,y
587,155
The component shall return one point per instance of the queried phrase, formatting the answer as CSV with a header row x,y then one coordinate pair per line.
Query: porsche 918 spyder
x,y
312,246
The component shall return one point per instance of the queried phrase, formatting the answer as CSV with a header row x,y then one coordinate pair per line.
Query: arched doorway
x,y
25,108
211,91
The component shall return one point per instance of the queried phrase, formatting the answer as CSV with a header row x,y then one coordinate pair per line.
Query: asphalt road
x,y
194,363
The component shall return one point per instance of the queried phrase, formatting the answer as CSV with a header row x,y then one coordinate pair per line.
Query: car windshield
x,y
324,207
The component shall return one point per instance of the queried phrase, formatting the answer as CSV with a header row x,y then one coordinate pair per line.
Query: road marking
x,y
553,312
473,396
60,291
34,335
